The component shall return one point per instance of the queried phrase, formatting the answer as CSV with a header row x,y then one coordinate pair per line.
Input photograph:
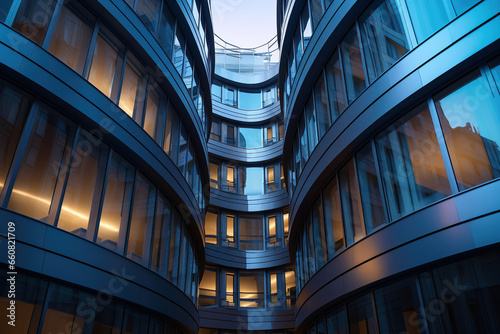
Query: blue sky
x,y
246,23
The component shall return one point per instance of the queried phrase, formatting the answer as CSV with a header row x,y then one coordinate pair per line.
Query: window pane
x,y
171,143
189,173
285,227
4,9
187,75
179,45
297,45
109,320
142,220
333,218
229,289
105,68
336,322
175,244
310,244
211,228
321,106
312,131
216,92
304,152
148,11
130,86
230,231
399,309
250,137
230,179
427,16
159,251
214,175
251,289
152,110
351,203
83,189
249,100
61,312
411,165
271,231
183,149
317,11
320,247
470,119
71,39
13,109
251,232
306,25
290,288
384,37
373,210
251,180
353,66
43,163
489,282
208,288
33,19
361,318
116,205
462,5
335,86
135,321
166,30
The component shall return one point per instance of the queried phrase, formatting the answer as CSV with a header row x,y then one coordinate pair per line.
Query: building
x,y
342,178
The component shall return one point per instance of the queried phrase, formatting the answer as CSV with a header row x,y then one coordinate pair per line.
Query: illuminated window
x,y
211,228
285,227
230,289
251,289
230,231
214,175
33,19
208,288
273,240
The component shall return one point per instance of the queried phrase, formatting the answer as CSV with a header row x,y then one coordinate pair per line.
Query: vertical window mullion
x,y
52,25
407,23
90,55
14,8
380,182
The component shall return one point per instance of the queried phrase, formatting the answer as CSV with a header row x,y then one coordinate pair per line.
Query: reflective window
x,y
312,131
208,288
230,285
71,38
44,162
174,251
384,37
135,321
320,247
179,45
353,67
187,75
297,45
156,99
251,232
159,250
316,11
272,236
304,152
462,5
61,310
321,106
231,242
290,288
351,203
115,208
131,91
33,19
251,289
306,25
411,164
171,143
428,16
141,222
4,9
13,110
251,180
335,86
361,317
183,149
336,322
250,137
148,11
166,30
333,218
84,186
249,100
106,68
211,222
214,175
470,119
373,209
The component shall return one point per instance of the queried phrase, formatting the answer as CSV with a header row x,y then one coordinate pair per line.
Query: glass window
x,y
333,218
336,322
159,250
351,203
291,65
105,70
183,149
152,110
428,16
361,317
290,292
411,164
271,182
317,11
179,45
296,153
251,289
208,288
310,245
148,11
306,25
353,67
297,45
141,223
171,143
4,9
384,37
109,319
13,110
251,180
399,309
230,179
250,137
373,210
84,185
321,250
44,163
187,75
272,236
249,100
71,39
273,290
281,131
130,99
251,232
304,152
321,106
215,131
183,259
269,96
470,119
489,283
61,309
33,19
230,289
216,92
335,86
135,321
229,96
166,30
312,130
116,205
214,175
230,231
189,173
285,226
211,219
462,5
175,245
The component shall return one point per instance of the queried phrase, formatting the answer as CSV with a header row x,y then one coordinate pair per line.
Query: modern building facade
x,y
105,111
341,178
391,113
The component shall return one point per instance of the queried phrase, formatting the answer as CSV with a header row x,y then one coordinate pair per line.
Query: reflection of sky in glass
x,y
249,101
473,104
250,137
254,183
246,23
